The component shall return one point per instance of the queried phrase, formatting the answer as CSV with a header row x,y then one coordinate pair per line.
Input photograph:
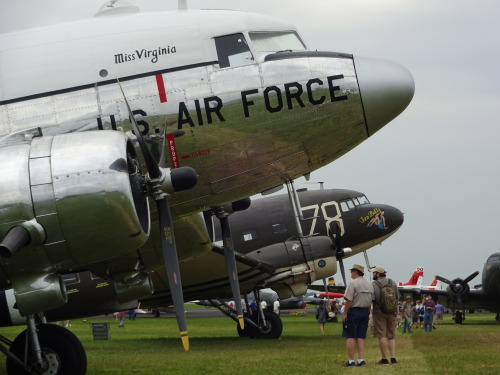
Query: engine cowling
x,y
80,198
458,289
83,189
298,263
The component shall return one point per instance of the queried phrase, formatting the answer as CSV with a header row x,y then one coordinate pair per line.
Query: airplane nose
x,y
393,216
386,90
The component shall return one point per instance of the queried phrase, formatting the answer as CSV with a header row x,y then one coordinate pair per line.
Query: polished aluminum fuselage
x,y
58,87
244,129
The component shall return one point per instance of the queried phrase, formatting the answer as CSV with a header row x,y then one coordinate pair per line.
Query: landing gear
x,y
60,352
497,318
271,328
459,318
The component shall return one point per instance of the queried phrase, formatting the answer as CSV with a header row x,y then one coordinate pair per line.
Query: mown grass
x,y
151,346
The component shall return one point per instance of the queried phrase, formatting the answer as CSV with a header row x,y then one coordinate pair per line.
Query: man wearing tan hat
x,y
358,299
385,320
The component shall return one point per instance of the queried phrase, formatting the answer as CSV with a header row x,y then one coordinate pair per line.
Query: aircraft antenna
x,y
321,184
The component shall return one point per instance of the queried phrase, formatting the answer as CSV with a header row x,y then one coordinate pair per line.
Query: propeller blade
x,y
470,277
232,271
172,267
442,279
327,293
166,228
339,252
338,235
342,271
325,284
152,166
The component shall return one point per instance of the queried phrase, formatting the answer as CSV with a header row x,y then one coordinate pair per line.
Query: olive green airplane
x,y
119,131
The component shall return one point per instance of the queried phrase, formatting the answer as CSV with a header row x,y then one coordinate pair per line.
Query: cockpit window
x,y
276,41
232,50
350,204
363,200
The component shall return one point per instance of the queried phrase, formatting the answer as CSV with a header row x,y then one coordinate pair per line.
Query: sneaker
x,y
393,360
383,361
362,363
349,364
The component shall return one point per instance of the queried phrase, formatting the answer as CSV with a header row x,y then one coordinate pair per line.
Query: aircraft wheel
x,y
458,317
62,352
274,326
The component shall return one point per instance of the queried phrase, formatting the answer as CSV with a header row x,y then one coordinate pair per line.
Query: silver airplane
x,y
117,132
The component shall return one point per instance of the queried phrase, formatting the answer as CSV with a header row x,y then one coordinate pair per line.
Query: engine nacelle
x,y
39,292
133,287
457,289
85,191
298,263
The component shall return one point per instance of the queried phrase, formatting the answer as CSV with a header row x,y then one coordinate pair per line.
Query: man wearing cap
x,y
384,323
406,308
358,298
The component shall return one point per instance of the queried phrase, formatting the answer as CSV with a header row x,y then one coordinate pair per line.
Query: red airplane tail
x,y
434,284
416,278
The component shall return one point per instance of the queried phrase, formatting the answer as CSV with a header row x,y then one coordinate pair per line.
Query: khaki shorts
x,y
384,325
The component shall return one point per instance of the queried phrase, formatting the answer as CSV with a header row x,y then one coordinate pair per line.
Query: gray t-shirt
x,y
359,292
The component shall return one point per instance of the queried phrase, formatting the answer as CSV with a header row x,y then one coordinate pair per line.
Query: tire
x,y
272,330
274,326
458,317
62,351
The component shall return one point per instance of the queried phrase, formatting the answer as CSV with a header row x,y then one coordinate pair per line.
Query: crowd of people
x,y
375,305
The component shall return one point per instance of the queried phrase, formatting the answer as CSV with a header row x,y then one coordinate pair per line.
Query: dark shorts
x,y
356,325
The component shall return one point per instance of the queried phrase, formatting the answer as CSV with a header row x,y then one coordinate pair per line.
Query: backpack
x,y
388,298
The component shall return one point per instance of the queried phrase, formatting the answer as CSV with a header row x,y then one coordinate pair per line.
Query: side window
x,y
233,50
347,205
344,207
249,235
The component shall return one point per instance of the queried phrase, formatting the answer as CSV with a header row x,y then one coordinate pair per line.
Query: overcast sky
x,y
438,161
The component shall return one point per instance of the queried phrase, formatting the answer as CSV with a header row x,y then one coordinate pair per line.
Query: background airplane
x,y
460,296
266,234
416,281
223,114
339,213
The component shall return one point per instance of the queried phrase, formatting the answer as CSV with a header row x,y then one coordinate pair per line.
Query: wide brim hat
x,y
358,267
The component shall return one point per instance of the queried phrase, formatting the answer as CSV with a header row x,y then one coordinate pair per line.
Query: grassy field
x,y
151,346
